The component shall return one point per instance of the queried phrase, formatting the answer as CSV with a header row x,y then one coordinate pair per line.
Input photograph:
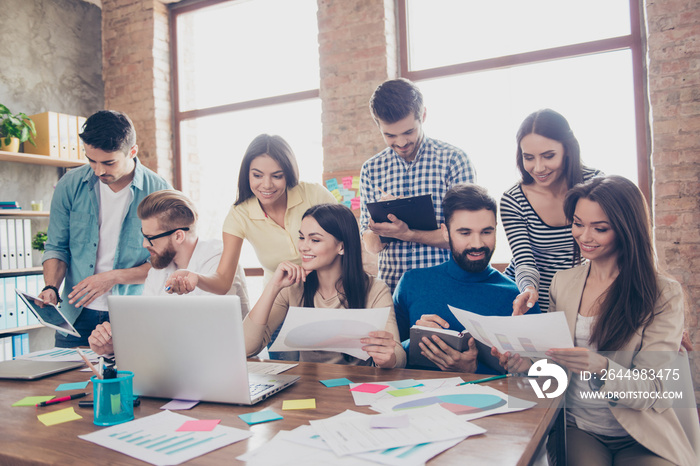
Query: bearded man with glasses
x,y
169,229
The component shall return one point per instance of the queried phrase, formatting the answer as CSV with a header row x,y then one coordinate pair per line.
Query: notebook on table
x,y
189,348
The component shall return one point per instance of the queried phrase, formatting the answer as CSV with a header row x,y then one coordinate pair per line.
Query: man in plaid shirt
x,y
412,165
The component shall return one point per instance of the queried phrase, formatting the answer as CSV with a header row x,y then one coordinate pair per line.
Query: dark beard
x,y
470,265
161,261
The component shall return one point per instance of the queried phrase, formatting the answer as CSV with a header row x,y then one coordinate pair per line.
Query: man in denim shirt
x,y
94,237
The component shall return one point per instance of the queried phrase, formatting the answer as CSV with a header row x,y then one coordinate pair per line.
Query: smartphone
x,y
88,404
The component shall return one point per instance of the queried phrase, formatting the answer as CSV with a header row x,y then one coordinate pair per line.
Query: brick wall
x,y
673,30
136,73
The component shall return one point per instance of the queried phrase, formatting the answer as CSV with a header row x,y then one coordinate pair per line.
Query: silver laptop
x,y
187,347
26,369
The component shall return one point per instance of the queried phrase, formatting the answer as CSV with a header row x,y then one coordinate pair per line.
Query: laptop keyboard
x,y
257,388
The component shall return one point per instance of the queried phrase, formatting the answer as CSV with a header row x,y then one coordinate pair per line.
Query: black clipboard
x,y
417,212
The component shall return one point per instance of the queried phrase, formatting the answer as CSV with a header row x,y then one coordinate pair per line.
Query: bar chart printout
x,y
155,439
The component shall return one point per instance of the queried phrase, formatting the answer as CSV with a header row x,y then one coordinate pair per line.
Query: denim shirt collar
x,y
136,182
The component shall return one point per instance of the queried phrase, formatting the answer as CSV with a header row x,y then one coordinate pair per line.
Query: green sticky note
x,y
405,391
59,417
336,382
33,400
260,416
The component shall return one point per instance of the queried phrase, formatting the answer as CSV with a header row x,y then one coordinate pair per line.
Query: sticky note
x,y
405,391
336,382
59,417
369,388
388,422
309,403
355,203
347,182
336,194
179,404
199,425
331,184
32,400
355,182
72,386
259,417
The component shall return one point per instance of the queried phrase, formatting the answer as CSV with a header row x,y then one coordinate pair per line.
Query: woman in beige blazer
x,y
622,315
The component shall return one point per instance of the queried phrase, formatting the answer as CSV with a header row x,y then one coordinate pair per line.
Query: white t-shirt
x,y
113,208
205,259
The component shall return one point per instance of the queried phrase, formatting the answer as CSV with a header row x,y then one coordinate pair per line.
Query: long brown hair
x,y
629,302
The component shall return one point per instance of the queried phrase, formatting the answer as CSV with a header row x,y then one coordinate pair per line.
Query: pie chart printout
x,y
458,403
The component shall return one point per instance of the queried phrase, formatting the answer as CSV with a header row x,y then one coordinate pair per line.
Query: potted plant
x,y
39,240
15,129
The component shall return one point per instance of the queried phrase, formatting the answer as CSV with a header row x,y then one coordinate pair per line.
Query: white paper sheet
x,y
59,354
528,335
353,435
281,452
428,385
411,455
471,401
154,439
310,329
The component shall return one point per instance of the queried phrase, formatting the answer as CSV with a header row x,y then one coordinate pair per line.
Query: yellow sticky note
x,y
59,417
309,403
32,400
405,391
337,195
355,182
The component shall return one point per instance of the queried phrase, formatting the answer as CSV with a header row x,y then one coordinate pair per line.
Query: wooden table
x,y
512,438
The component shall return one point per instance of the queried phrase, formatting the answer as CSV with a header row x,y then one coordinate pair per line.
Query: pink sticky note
x,y
203,425
355,203
369,388
347,182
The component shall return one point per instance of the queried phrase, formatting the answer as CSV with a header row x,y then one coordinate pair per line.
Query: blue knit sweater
x,y
430,290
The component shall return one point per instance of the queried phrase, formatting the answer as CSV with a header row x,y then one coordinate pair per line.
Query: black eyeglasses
x,y
162,235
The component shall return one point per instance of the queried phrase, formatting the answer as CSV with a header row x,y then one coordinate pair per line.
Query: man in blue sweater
x,y
466,281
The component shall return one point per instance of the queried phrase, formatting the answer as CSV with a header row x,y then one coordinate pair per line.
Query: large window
x,y
239,72
484,66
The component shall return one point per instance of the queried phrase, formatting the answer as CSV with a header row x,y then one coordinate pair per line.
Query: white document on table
x,y
60,354
410,455
527,335
281,451
155,439
424,385
353,435
468,402
340,330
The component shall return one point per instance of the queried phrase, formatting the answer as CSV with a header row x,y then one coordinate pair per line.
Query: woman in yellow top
x,y
271,201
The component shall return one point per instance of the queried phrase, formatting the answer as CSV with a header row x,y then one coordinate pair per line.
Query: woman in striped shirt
x,y
532,211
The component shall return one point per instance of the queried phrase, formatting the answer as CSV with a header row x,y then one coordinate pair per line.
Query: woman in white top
x,y
532,211
330,276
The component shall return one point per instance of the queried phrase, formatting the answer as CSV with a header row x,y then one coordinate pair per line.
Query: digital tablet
x,y
417,212
49,315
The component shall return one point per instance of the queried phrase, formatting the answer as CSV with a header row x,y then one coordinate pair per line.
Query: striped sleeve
x,y
514,222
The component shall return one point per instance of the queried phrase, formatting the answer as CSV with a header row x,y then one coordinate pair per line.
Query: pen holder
x,y
113,399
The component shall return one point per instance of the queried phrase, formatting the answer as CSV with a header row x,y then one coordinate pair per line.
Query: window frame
x,y
179,116
633,41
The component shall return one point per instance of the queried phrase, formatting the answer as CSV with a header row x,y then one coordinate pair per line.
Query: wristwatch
x,y
55,290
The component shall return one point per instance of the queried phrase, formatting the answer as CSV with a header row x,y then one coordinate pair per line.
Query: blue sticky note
x,y
336,382
261,416
72,386
331,184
